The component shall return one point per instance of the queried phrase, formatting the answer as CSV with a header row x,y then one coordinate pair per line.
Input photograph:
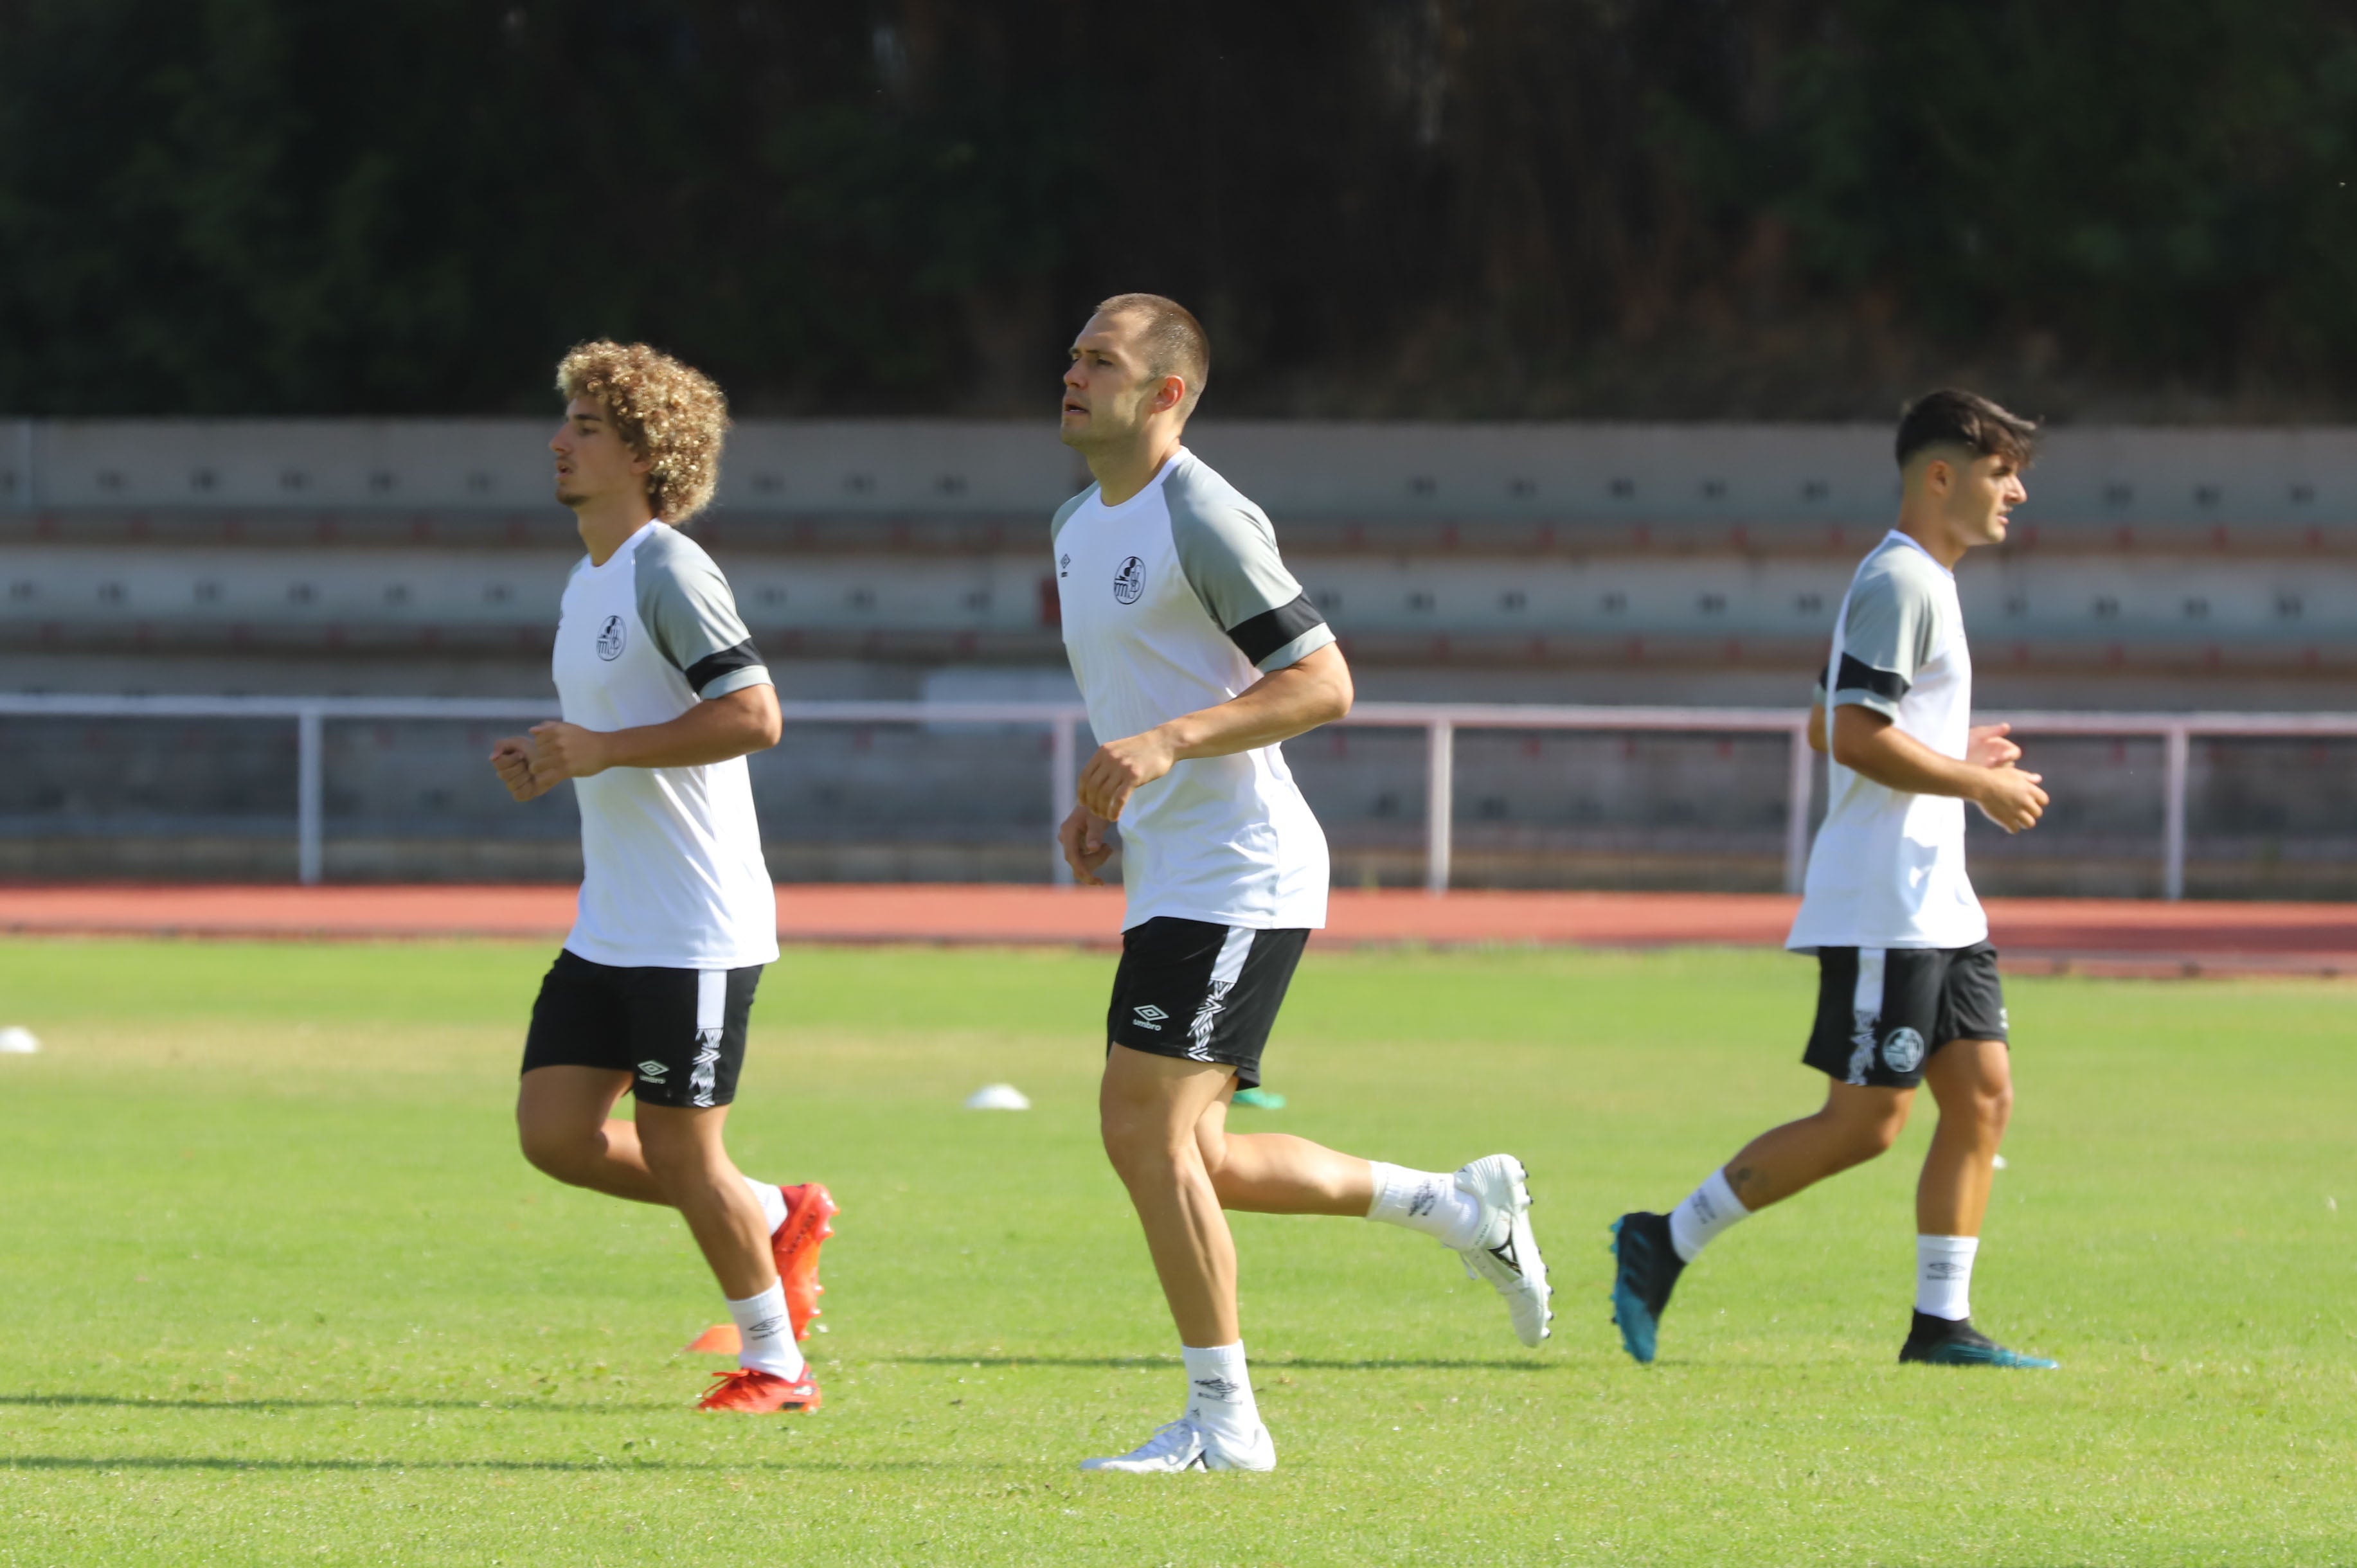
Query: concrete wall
x,y
2224,562
883,470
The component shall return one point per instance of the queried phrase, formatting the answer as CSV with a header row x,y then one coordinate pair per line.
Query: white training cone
x,y
16,1041
998,1097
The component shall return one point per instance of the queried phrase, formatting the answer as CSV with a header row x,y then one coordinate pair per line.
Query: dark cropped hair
x,y
1951,417
1175,341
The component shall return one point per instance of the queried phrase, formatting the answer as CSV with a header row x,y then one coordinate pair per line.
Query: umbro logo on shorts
x,y
654,1071
1150,1017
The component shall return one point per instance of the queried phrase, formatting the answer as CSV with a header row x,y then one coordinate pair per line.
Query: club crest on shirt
x,y
1903,1051
612,638
1130,581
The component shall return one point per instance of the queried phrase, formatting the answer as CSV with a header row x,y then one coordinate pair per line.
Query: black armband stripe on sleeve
x,y
1856,675
1266,632
727,661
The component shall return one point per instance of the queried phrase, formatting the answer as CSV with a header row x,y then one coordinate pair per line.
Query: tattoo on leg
x,y
1744,1181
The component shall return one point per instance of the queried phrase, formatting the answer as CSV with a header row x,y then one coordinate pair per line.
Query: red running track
x,y
2090,935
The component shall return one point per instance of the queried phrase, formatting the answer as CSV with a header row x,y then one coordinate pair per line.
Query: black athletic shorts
x,y
1202,992
679,1033
1881,1012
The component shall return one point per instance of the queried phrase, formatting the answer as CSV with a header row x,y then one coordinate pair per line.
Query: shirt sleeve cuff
x,y
1300,649
735,681
1852,697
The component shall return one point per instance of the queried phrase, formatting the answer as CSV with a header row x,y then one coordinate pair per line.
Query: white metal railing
x,y
1440,721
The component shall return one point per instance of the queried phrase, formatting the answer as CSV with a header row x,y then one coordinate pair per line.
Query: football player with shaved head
x,y
1197,654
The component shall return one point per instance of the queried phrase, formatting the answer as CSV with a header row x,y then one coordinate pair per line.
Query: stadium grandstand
x,y
2152,570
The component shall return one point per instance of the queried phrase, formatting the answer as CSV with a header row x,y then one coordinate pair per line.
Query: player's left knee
x,y
553,1151
546,1157
1995,1105
1989,1107
1141,1146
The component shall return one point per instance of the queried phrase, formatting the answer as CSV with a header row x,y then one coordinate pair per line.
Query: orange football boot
x,y
795,1246
758,1393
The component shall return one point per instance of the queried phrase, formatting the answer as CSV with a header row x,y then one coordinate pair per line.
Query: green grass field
x,y
277,1289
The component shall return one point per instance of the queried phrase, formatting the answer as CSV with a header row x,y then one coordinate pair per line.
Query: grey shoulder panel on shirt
x,y
1898,619
685,605
1227,549
1064,514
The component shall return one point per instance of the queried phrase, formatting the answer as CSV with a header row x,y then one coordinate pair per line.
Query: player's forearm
x,y
715,731
1274,708
1897,761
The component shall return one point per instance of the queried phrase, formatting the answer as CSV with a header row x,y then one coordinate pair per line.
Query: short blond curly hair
x,y
670,413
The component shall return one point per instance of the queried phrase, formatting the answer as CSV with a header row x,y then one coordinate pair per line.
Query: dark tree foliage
x,y
1446,208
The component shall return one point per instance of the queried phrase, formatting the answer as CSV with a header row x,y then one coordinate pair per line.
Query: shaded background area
x,y
1445,208
1561,340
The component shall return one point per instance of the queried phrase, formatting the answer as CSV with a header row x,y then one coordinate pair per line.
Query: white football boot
x,y
1183,1446
1507,1252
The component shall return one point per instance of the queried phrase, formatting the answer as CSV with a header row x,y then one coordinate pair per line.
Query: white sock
x,y
1427,1201
1943,1275
768,1333
1708,1210
1219,1392
772,1202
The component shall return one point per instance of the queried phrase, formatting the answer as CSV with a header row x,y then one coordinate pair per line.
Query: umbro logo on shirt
x,y
1063,566
612,638
1148,1017
1130,581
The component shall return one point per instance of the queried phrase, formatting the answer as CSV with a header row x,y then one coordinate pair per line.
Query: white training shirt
x,y
1888,868
1174,601
672,870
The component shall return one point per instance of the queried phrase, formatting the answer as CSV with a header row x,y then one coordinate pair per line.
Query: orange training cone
x,y
720,1339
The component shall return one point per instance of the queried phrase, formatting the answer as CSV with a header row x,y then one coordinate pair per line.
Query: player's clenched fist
x,y
1082,837
1118,768
2011,798
511,760
561,751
